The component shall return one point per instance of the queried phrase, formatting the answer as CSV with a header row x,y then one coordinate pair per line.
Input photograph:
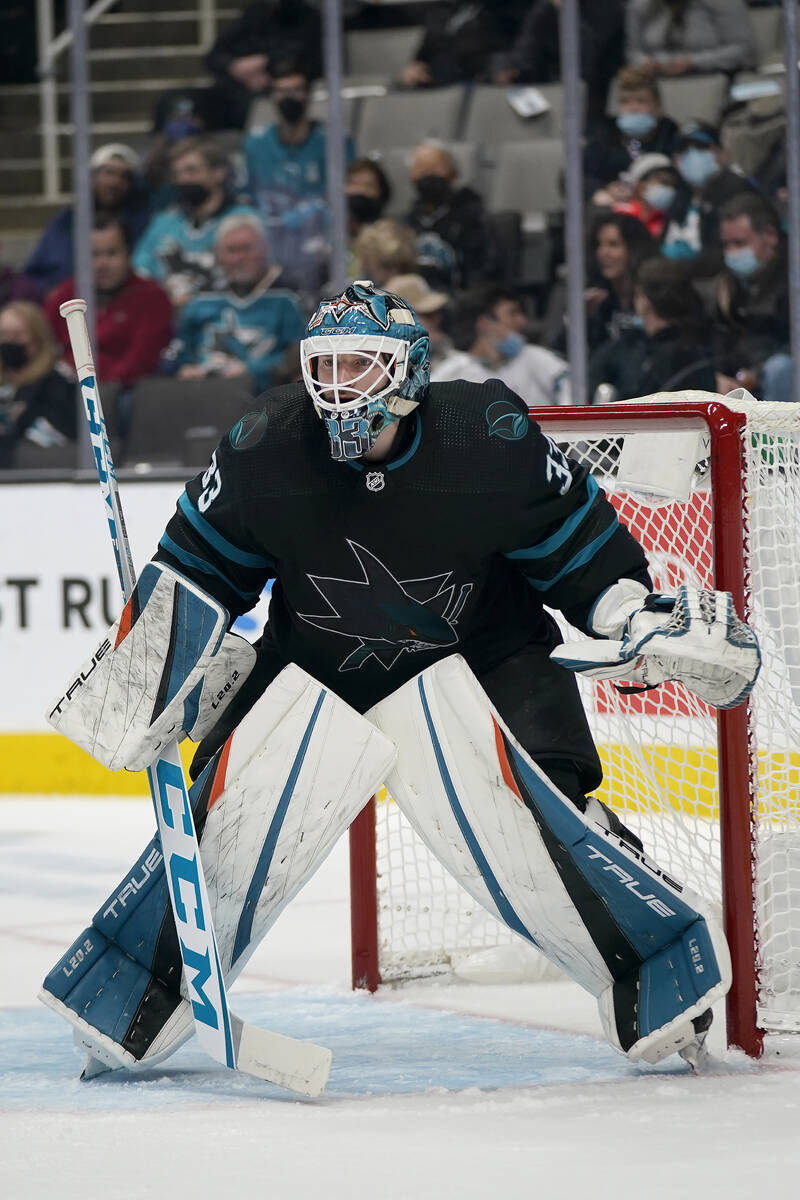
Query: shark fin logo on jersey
x,y
506,421
386,616
248,430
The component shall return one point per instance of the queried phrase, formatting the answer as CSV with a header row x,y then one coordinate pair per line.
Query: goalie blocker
x,y
165,670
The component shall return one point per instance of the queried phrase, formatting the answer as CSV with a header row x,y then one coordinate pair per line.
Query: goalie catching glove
x,y
164,671
694,637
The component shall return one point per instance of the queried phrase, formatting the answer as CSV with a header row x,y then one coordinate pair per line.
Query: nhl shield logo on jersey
x,y
248,430
506,422
375,481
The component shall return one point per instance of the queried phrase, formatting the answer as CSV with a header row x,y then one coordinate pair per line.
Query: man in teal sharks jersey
x,y
246,328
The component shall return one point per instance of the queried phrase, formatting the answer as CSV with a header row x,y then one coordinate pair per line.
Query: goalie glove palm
x,y
695,637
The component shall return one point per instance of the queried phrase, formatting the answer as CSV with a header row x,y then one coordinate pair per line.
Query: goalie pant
x,y
592,903
268,809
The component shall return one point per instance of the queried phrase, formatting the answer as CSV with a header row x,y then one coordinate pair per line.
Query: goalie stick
x,y
296,1065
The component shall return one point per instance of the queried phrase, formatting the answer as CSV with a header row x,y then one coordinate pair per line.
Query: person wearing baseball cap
x,y
692,232
118,192
654,184
429,305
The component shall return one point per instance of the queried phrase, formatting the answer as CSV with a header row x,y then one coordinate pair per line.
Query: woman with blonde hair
x,y
383,249
37,402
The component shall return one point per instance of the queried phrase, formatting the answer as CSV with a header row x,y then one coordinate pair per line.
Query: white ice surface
x,y
438,1090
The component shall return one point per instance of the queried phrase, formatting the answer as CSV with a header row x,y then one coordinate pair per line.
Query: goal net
x,y
712,491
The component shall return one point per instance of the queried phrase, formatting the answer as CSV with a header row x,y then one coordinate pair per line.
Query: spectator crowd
x,y
211,247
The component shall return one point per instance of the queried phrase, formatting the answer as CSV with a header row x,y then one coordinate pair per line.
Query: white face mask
x,y
659,196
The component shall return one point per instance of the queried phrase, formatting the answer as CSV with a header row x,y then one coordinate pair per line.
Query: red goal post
x,y
707,789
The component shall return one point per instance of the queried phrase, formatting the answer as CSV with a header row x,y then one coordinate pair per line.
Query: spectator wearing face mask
x,y
117,190
488,327
177,248
37,402
679,37
692,232
452,215
654,186
639,127
286,179
243,58
179,113
667,348
368,192
752,298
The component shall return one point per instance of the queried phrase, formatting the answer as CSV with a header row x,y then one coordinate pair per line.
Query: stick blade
x,y
298,1066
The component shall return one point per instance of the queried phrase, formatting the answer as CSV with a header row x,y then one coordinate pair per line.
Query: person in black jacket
x,y
752,296
242,57
461,41
37,402
453,245
535,56
692,232
639,127
667,350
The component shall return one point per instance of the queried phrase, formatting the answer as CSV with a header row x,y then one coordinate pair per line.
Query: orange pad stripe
x,y
503,759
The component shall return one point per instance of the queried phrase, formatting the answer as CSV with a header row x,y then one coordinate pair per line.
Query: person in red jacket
x,y
133,315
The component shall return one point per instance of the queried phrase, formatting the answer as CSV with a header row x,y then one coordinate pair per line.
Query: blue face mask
x,y
678,250
636,124
510,345
697,166
742,262
659,196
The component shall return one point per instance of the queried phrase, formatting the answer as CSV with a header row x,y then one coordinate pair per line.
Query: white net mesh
x,y
659,749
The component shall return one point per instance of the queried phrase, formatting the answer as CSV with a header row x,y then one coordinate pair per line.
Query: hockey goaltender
x,y
414,532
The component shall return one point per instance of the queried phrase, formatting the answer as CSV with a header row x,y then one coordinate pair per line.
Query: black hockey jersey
x,y
453,545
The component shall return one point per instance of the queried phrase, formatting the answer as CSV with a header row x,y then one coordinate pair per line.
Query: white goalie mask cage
x,y
347,397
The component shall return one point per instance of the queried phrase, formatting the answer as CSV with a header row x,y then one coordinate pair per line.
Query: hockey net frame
x,y
747,442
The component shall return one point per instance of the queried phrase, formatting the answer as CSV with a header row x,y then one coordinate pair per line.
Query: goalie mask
x,y
366,364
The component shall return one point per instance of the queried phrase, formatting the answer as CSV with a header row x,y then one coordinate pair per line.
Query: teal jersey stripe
x,y
209,534
201,564
412,449
580,559
564,532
